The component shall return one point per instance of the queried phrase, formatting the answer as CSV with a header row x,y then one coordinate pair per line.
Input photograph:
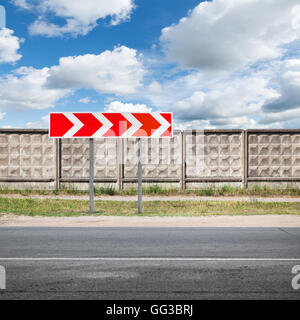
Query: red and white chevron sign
x,y
108,125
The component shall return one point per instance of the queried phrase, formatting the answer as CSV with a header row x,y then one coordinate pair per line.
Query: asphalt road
x,y
149,263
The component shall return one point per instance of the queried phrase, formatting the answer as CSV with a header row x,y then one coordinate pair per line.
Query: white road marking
x,y
146,259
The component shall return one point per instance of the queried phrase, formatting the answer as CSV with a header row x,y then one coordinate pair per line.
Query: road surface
x,y
149,263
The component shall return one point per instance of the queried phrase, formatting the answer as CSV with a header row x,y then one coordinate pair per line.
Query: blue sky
x,y
215,64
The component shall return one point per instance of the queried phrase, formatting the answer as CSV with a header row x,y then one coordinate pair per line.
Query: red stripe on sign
x,y
149,125
168,117
59,124
90,125
120,124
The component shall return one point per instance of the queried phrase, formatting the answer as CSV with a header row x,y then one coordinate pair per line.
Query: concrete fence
x,y
191,159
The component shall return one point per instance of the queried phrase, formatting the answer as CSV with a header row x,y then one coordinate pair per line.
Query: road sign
x,y
110,125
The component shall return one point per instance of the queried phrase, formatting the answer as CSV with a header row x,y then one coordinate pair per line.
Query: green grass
x,y
55,207
105,191
225,190
205,192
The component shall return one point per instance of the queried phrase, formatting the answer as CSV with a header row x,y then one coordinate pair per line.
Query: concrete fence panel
x,y
274,156
191,159
213,156
27,158
161,159
75,161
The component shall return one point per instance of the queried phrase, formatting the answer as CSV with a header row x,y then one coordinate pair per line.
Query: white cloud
x,y
115,106
51,30
241,75
198,101
171,89
118,106
115,72
80,16
233,98
86,100
155,87
228,123
43,123
25,89
239,49
264,99
229,34
21,3
9,46
280,117
287,82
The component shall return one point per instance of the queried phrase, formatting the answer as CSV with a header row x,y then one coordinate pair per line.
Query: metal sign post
x,y
95,125
92,175
140,208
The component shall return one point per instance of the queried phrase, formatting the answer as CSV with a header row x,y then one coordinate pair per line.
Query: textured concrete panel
x,y
274,155
75,158
213,155
27,156
161,158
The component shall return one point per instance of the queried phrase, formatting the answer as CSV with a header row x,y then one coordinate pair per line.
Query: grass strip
x,y
58,207
225,190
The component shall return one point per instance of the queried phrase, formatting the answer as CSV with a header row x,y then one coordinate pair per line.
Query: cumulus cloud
x,y
86,100
280,117
9,46
25,89
114,72
114,106
229,123
155,87
226,103
80,16
21,3
43,123
267,98
118,106
229,34
287,81
239,71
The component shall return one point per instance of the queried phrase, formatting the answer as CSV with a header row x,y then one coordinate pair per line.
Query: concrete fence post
x,y
245,158
120,164
183,165
91,181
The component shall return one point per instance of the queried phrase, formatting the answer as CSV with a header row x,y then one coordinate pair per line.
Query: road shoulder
x,y
284,221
